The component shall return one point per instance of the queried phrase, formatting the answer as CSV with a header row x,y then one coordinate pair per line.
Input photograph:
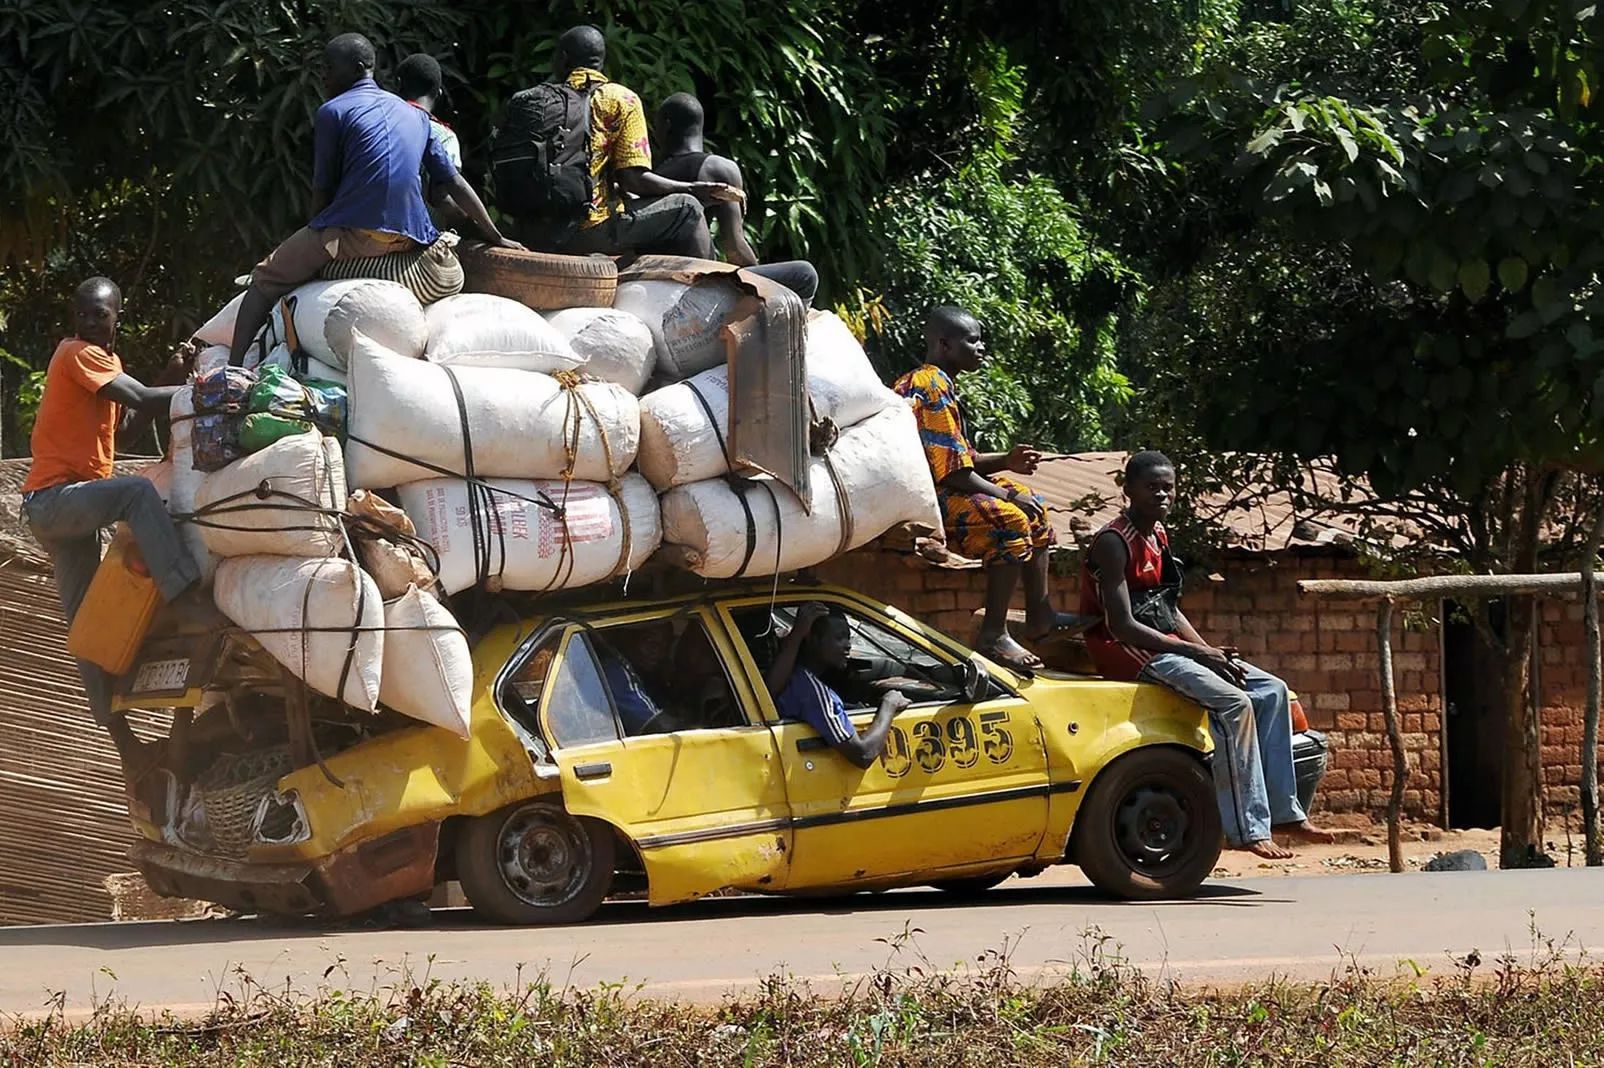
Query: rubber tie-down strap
x,y
779,526
484,521
843,505
626,538
737,484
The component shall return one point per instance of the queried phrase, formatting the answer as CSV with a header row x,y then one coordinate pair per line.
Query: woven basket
x,y
539,280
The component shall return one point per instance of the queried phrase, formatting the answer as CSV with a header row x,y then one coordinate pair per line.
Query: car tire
x,y
543,281
973,886
534,863
1150,828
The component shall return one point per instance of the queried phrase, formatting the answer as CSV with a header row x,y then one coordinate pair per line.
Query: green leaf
x,y
1512,271
1266,140
1523,326
1474,278
1350,147
1443,272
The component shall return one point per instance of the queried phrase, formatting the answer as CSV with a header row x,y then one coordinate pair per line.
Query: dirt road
x,y
1238,929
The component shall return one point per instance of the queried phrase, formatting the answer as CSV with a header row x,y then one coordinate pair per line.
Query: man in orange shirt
x,y
70,495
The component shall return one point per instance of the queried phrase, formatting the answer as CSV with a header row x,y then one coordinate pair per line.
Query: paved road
x,y
1238,930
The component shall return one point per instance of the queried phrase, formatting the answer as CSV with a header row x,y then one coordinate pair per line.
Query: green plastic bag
x,y
278,406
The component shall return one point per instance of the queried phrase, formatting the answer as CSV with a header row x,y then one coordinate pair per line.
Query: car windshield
x,y
880,659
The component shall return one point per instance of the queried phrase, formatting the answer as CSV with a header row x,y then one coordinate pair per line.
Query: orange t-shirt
x,y
75,433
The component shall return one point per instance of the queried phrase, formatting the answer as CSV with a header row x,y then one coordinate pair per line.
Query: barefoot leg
x,y
1267,849
1306,832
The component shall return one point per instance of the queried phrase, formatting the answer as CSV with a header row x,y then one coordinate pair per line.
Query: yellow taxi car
x,y
551,802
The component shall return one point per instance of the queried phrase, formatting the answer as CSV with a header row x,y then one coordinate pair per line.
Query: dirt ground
x,y
1366,850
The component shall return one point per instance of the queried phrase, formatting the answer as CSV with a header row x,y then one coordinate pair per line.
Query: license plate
x,y
159,676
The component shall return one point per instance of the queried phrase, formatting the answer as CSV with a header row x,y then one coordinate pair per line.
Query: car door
x,y
959,784
704,806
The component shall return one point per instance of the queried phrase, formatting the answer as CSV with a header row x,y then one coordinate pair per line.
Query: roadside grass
x,y
1545,1009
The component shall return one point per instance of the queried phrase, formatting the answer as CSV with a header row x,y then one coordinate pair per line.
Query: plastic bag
x,y
279,406
220,398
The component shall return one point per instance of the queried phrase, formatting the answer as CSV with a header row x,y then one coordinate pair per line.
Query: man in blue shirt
x,y
820,644
370,148
636,707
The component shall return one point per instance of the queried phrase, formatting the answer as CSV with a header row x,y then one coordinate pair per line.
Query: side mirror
x,y
976,683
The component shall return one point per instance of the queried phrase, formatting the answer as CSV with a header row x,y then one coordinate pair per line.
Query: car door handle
x,y
808,745
599,770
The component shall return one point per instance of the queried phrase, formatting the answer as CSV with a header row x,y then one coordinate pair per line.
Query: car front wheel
x,y
1150,828
534,863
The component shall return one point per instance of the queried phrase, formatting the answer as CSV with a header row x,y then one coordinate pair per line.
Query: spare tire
x,y
543,281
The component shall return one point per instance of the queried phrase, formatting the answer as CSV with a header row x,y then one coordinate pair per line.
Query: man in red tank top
x,y
1249,712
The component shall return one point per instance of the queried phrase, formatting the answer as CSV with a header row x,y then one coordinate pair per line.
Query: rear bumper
x,y
397,866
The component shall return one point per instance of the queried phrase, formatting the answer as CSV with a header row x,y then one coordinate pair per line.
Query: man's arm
x,y
865,748
729,215
784,665
970,481
644,182
142,403
1109,557
468,202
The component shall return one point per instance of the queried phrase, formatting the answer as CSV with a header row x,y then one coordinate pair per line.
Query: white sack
x,y
186,481
883,474
614,345
679,444
684,320
160,475
484,330
219,329
317,369
428,670
305,466
525,543
328,314
210,359
521,422
266,594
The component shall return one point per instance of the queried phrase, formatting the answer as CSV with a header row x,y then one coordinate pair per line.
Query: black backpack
x,y
540,161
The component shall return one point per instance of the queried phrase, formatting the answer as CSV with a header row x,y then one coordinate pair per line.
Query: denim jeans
x,y
68,519
1252,729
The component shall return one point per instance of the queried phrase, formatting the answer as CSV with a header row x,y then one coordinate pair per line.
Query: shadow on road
x,y
115,936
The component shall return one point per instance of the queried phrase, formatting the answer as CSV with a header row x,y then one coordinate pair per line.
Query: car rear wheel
x,y
534,863
1151,827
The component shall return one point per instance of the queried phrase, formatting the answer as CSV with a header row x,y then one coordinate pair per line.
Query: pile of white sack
x,y
487,445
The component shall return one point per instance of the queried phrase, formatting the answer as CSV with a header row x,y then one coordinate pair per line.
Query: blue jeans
x,y
67,521
1252,729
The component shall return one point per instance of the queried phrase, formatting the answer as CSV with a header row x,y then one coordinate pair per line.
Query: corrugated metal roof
x,y
1083,493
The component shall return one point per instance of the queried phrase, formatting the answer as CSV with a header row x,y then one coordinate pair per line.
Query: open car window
x,y
881,659
665,676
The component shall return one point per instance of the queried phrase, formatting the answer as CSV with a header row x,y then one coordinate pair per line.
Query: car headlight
x,y
281,820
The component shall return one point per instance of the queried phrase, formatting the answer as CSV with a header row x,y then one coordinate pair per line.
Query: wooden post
x,y
1389,710
1593,848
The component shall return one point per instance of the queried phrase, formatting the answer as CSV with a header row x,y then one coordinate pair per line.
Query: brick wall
x,y
1325,651
1562,684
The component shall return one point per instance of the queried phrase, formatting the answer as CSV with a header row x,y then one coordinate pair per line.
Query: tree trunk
x,y
1521,831
1389,709
1590,830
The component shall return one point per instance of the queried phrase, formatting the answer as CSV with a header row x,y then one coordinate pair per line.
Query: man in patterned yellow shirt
x,y
667,215
988,515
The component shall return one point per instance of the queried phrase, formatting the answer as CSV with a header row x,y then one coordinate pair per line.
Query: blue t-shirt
x,y
635,705
808,700
369,147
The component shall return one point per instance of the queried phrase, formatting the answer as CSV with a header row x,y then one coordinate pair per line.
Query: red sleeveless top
x,y
1144,569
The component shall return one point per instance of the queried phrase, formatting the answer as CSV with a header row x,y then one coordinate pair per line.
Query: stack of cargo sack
x,y
375,456
872,477
323,571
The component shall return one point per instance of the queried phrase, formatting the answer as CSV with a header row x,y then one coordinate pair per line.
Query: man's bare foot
x,y
1267,849
1305,832
1009,653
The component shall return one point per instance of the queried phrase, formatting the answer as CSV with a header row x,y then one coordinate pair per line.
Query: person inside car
x,y
1132,582
818,646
